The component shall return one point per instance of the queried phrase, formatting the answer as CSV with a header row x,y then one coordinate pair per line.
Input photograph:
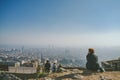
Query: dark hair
x,y
47,61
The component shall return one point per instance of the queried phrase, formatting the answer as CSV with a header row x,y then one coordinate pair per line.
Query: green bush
x,y
42,74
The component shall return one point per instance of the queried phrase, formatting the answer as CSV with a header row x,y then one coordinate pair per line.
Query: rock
x,y
102,78
48,78
79,76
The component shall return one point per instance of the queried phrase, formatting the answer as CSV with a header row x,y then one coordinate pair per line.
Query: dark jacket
x,y
92,62
47,67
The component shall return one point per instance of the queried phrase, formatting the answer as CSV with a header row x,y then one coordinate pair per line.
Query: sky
x,y
60,22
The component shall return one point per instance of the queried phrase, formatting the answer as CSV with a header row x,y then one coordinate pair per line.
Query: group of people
x,y
92,63
55,68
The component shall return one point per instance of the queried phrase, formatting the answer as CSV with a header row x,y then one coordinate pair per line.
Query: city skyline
x,y
61,23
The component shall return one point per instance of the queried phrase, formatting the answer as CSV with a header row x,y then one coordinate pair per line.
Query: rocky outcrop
x,y
111,65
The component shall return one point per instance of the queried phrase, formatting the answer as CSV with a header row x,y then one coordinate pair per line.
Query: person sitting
x,y
92,61
59,68
47,66
54,67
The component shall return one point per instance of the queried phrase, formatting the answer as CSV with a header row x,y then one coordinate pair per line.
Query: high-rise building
x,y
22,51
42,59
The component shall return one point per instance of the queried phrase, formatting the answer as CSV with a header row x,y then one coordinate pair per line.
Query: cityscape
x,y
25,60
65,56
41,39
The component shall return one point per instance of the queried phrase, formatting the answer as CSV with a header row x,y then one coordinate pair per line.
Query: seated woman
x,y
92,61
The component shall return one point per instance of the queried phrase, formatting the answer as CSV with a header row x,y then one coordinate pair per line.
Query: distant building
x,y
35,63
7,63
22,62
24,70
22,51
42,59
4,65
17,64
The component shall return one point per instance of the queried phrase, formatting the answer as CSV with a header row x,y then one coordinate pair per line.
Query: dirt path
x,y
76,74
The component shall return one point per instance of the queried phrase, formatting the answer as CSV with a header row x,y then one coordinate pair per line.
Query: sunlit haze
x,y
60,22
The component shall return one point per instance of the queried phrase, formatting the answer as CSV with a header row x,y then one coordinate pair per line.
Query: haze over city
x,y
59,39
86,23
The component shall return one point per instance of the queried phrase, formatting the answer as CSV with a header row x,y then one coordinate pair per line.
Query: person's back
x,y
47,66
92,61
54,67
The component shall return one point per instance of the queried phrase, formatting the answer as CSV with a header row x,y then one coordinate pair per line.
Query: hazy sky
x,y
60,22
